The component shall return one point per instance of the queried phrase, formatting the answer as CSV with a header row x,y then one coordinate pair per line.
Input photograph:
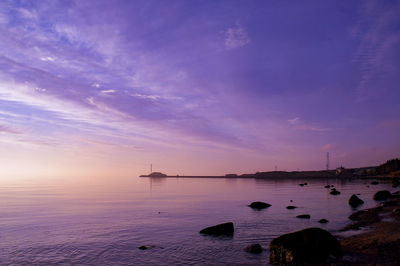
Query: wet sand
x,y
380,243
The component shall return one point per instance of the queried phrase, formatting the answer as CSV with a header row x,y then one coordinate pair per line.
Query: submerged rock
x,y
355,201
290,207
335,192
143,247
374,183
254,248
382,195
323,221
259,205
327,186
304,216
220,229
312,245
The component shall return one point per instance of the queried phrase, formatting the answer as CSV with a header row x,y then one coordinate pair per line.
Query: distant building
x,y
339,170
344,172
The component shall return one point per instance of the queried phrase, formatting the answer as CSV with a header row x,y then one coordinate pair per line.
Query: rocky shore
x,y
373,238
379,240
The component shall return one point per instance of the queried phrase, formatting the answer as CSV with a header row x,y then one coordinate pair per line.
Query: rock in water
x,y
259,205
355,201
334,192
290,207
254,248
312,245
323,221
303,216
220,229
382,195
143,247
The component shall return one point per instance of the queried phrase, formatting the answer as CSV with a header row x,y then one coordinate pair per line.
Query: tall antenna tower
x,y
327,161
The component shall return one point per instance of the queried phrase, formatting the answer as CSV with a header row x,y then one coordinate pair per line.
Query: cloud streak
x,y
236,37
10,130
200,76
376,43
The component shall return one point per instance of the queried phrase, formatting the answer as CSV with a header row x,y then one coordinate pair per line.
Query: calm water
x,y
104,223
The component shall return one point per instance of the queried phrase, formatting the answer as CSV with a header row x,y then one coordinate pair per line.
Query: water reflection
x,y
104,221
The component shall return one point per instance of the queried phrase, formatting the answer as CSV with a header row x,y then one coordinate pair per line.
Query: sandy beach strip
x,y
379,241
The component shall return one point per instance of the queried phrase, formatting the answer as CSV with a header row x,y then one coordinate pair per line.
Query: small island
x,y
155,174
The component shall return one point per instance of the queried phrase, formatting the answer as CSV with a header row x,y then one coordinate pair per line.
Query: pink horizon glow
x,y
100,88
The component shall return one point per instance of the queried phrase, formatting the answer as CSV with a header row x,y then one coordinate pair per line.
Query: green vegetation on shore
x,y
390,167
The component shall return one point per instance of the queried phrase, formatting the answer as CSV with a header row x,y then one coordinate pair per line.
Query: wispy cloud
x,y
327,147
187,78
108,92
10,130
294,121
312,128
236,36
299,124
47,58
374,29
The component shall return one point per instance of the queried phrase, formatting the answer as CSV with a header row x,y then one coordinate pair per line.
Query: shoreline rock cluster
x,y
381,242
379,245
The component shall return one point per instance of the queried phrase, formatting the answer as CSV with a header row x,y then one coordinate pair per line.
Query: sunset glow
x,y
99,88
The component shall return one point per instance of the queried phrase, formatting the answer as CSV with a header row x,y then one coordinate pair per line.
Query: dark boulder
x,y
304,216
327,186
143,247
323,221
355,201
382,195
220,229
335,192
312,245
290,207
259,205
254,248
374,183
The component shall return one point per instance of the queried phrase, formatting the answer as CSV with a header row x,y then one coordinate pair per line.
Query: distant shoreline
x,y
277,177
388,170
274,176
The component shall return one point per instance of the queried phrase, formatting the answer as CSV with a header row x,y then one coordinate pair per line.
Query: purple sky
x,y
206,87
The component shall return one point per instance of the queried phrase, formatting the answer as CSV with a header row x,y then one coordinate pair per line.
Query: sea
x,y
94,222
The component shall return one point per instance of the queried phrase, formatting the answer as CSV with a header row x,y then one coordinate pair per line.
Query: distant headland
x,y
155,174
390,169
